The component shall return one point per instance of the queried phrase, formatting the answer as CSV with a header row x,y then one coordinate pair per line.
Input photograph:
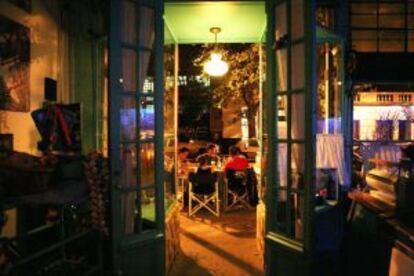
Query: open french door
x,y
291,158
136,136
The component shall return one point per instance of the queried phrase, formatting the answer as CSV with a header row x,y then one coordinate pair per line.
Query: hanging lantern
x,y
216,67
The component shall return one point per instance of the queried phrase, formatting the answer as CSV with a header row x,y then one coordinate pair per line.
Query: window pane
x,y
298,166
282,164
148,209
129,29
391,41
391,21
411,41
282,117
364,9
410,21
364,41
147,160
297,24
364,21
147,117
281,21
128,118
129,70
146,29
281,56
146,72
128,165
298,116
298,66
391,8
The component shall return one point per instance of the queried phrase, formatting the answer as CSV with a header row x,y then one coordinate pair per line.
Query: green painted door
x,y
136,136
291,157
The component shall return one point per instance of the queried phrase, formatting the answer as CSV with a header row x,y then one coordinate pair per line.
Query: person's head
x,y
183,153
234,150
211,149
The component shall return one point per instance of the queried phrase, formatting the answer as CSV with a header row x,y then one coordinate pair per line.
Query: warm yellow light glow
x,y
215,66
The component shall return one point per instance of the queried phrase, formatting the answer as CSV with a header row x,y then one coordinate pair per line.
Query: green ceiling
x,y
241,22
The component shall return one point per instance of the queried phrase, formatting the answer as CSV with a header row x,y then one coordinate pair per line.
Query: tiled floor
x,y
218,246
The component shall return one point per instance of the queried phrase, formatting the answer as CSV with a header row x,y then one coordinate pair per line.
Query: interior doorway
x,y
229,238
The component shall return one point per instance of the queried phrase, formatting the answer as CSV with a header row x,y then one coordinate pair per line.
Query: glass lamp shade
x,y
215,66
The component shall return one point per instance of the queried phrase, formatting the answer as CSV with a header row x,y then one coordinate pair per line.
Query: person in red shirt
x,y
237,161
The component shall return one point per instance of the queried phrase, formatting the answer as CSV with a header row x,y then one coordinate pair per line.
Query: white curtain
x,y
330,154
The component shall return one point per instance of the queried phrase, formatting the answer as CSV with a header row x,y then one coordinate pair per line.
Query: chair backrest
x,y
236,178
203,181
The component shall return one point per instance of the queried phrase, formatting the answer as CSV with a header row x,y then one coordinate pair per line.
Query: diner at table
x,y
223,171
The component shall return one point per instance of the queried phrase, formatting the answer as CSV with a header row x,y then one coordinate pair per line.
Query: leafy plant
x,y
241,83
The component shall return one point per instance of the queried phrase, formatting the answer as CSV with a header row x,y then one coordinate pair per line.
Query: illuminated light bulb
x,y
215,66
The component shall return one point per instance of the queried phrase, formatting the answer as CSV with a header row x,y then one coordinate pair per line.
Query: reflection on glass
x,y
281,20
129,70
298,22
282,117
146,30
147,160
281,56
131,217
129,165
298,66
129,32
298,208
329,88
282,164
147,117
298,165
298,116
146,72
281,223
148,209
128,115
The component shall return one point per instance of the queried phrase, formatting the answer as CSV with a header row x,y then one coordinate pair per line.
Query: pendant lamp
x,y
216,67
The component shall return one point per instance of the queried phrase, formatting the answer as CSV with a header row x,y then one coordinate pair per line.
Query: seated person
x,y
203,180
237,161
210,157
183,160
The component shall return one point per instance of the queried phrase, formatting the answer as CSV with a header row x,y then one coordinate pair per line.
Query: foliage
x,y
241,83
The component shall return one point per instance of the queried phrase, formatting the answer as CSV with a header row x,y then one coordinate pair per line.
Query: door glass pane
x,y
329,84
146,29
282,117
282,164
364,41
129,70
147,117
281,27
148,209
364,21
298,166
298,66
298,116
129,29
128,118
146,71
298,204
131,218
298,16
147,161
391,41
281,56
128,165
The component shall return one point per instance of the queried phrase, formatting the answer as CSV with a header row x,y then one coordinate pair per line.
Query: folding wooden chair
x,y
203,192
236,190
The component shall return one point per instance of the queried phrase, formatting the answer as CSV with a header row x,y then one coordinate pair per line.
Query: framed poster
x,y
14,66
